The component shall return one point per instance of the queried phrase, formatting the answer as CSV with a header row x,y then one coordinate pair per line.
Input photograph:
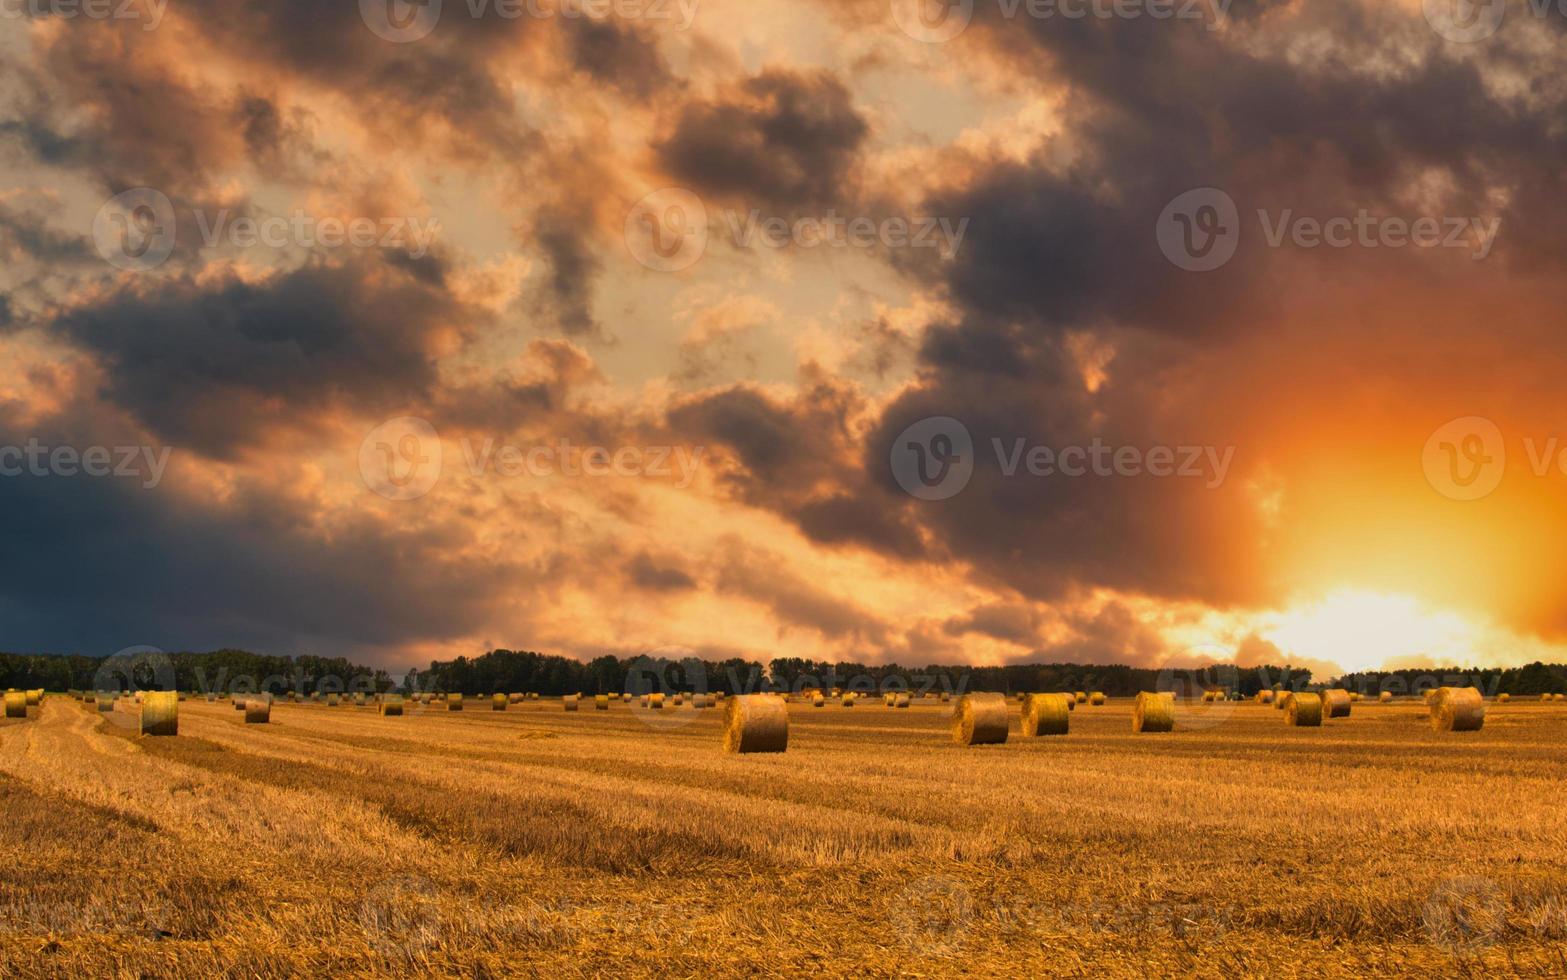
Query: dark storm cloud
x,y
618,56
786,139
1110,635
793,599
209,366
573,267
656,575
1064,244
100,564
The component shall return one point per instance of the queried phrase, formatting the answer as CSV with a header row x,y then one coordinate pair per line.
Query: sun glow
x,y
1360,630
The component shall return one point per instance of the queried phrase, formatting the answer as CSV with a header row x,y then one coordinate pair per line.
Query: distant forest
x,y
549,674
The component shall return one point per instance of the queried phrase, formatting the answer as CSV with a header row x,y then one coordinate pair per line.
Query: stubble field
x,y
334,841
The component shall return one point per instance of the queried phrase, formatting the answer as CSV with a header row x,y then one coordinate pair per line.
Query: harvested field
x,y
540,842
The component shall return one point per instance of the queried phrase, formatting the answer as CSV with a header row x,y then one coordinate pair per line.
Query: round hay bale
x,y
1209,696
980,719
848,699
454,702
1081,697
1047,714
1428,695
1070,700
392,707
1457,709
903,701
33,698
1264,697
889,699
755,723
105,703
569,702
258,710
1545,697
1305,710
601,702
331,700
16,704
1559,697
1354,695
239,703
818,701
1385,697
1336,703
1281,700
89,696
1097,698
160,713
1153,713
1503,698
498,702
655,702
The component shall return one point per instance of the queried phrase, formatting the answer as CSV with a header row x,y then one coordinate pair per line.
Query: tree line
x,y
550,674
1536,679
509,670
221,671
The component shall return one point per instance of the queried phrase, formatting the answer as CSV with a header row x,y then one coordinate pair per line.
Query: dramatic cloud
x,y
595,444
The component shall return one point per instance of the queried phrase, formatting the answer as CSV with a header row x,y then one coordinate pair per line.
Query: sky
x,y
1150,333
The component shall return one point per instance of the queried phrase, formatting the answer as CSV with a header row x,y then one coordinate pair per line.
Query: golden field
x,y
335,841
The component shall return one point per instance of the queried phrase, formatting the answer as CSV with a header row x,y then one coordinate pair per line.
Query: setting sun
x,y
1363,630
